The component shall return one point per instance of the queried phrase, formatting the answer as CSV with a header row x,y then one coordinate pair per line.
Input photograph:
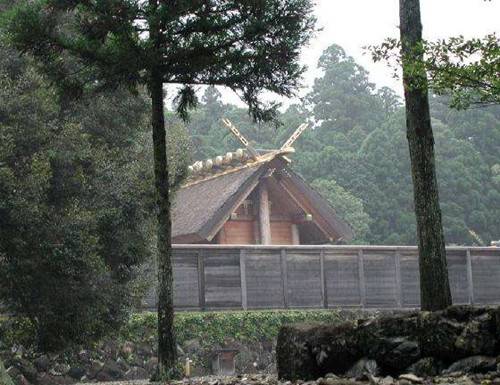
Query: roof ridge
x,y
201,171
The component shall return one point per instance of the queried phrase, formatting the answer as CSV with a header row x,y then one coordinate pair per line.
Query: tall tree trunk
x,y
166,338
434,286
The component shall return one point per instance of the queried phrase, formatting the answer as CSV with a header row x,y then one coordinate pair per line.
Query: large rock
x,y
110,371
26,368
425,367
474,364
362,368
295,360
396,343
458,332
42,363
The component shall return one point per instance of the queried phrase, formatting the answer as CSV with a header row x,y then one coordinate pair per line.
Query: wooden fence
x,y
278,277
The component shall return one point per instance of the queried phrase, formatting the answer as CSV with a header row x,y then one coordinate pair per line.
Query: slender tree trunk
x,y
434,285
166,338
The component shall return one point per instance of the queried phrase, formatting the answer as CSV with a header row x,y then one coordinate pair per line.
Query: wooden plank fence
x,y
218,277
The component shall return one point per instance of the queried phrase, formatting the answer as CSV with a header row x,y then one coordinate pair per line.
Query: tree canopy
x,y
363,151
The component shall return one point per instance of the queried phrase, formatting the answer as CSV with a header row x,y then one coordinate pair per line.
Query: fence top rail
x,y
326,247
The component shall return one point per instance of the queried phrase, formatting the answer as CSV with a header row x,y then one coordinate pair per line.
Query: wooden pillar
x,y
362,284
221,236
470,285
243,279
201,279
295,234
284,277
324,293
264,214
397,271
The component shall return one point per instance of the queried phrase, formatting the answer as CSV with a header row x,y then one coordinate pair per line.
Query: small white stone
x,y
412,378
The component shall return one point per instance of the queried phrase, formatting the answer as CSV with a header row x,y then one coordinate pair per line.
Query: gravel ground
x,y
405,379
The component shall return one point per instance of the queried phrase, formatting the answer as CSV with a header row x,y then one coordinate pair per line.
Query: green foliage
x,y
357,154
16,331
346,205
74,206
213,328
465,69
4,377
247,46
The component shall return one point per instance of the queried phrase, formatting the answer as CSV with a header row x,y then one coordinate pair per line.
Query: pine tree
x,y
86,46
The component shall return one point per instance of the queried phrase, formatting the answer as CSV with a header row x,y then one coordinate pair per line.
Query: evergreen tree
x,y
74,208
247,46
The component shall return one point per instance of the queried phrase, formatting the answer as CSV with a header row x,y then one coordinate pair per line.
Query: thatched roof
x,y
207,200
200,206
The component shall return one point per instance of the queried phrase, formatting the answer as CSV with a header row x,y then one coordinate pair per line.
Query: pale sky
x,y
354,24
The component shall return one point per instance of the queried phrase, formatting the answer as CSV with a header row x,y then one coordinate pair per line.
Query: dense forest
x,y
76,203
357,154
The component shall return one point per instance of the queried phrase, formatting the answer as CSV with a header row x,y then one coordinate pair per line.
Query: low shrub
x,y
212,328
209,328
4,377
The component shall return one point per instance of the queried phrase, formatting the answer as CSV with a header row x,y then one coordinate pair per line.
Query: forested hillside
x,y
357,154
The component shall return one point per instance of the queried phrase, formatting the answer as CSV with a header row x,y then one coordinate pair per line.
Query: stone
x,y
110,371
95,367
411,378
84,356
473,364
13,372
308,351
191,346
425,367
362,368
60,369
76,372
397,353
144,349
457,332
48,379
127,349
136,373
26,368
294,360
124,366
151,365
42,363
21,380
111,348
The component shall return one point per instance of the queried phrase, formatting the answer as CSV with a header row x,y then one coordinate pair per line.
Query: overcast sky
x,y
354,24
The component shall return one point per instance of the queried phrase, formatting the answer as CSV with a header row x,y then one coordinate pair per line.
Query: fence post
x,y
361,272
324,293
243,279
284,277
397,266
470,285
201,279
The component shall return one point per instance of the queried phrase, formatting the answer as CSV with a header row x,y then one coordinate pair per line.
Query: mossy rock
x,y
4,377
294,360
395,342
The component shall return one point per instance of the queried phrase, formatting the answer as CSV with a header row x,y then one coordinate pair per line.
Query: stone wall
x,y
112,361
461,338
